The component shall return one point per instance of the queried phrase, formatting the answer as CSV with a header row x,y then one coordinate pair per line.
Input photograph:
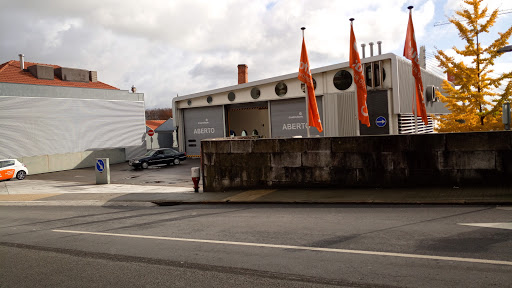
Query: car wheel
x,y
176,161
20,175
145,165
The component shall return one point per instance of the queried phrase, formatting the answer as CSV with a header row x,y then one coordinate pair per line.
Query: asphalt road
x,y
256,246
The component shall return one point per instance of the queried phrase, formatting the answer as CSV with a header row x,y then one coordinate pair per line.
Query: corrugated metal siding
x,y
407,87
340,114
406,124
32,126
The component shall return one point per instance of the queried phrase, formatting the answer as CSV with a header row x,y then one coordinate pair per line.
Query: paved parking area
x,y
122,173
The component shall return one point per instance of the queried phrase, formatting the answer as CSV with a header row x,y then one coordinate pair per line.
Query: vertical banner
x,y
355,64
305,76
411,53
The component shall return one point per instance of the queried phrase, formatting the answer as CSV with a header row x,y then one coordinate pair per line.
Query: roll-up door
x,y
289,118
202,123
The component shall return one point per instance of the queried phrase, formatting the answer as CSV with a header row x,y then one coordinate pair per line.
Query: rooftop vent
x,y
93,76
74,75
41,71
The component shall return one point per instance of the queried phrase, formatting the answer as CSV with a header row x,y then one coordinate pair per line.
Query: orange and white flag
x,y
305,76
355,64
411,53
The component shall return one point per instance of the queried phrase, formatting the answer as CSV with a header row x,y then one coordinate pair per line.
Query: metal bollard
x,y
195,178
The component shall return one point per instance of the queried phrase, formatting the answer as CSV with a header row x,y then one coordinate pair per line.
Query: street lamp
x,y
505,49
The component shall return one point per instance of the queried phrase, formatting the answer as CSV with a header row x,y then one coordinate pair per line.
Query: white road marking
x,y
490,225
417,256
505,208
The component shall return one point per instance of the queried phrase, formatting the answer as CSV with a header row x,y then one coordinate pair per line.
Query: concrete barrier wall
x,y
447,160
60,162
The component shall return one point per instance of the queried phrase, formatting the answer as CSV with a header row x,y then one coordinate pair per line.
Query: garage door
x,y
202,123
289,118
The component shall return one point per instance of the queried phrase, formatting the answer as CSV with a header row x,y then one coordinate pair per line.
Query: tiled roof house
x,y
55,118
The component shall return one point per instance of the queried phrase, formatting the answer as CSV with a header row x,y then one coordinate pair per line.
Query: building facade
x,y
54,118
275,107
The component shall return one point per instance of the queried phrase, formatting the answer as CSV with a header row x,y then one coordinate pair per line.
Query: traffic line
x,y
249,195
26,197
490,225
417,256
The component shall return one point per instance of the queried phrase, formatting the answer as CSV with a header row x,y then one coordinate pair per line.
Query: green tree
x,y
474,100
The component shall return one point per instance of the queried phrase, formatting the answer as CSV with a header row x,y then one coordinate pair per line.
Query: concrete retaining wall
x,y
452,159
60,162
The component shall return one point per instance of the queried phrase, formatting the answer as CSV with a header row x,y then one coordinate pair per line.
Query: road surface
x,y
256,246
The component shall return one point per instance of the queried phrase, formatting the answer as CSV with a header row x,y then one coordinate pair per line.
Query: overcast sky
x,y
170,47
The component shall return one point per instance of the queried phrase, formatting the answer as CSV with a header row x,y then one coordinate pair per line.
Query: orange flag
x,y
305,76
411,53
355,64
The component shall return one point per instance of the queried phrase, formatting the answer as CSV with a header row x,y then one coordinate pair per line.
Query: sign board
x,y
381,121
100,165
151,132
102,171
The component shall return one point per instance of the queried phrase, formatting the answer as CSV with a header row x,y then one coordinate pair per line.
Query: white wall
x,y
32,126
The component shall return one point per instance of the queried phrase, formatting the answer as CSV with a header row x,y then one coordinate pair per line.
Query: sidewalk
x,y
55,193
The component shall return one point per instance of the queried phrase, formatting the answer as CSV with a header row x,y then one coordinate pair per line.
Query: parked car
x,y
158,156
10,168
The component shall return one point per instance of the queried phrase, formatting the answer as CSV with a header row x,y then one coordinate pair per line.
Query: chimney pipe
x,y
371,49
379,47
242,74
22,61
363,48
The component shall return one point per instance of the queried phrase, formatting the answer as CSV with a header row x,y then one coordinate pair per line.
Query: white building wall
x,y
32,126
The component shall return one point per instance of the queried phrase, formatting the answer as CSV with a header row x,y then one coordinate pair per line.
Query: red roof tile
x,y
153,124
10,72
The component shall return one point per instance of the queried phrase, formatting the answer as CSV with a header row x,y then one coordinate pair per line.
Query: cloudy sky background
x,y
170,47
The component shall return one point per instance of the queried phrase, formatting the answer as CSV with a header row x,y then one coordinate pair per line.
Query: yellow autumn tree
x,y
473,98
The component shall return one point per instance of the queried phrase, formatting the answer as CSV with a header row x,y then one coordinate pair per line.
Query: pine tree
x,y
474,102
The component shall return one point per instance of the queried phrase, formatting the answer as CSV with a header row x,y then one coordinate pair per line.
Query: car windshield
x,y
150,153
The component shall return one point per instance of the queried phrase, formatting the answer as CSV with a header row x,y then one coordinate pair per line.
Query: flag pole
x,y
307,95
415,97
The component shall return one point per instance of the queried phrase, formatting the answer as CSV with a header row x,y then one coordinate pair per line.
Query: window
x,y
281,89
189,102
368,75
303,86
209,99
342,80
255,93
231,96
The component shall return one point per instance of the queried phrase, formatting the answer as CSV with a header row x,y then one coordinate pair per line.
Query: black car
x,y
158,156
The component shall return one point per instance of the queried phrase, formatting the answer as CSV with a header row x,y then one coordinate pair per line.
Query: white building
x,y
276,107
54,118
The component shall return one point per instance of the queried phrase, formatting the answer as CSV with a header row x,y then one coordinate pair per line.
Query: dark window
x,y
255,93
231,96
209,99
368,74
342,80
303,86
281,89
189,102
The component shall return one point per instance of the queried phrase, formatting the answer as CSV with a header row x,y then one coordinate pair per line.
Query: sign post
x,y
151,132
102,168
